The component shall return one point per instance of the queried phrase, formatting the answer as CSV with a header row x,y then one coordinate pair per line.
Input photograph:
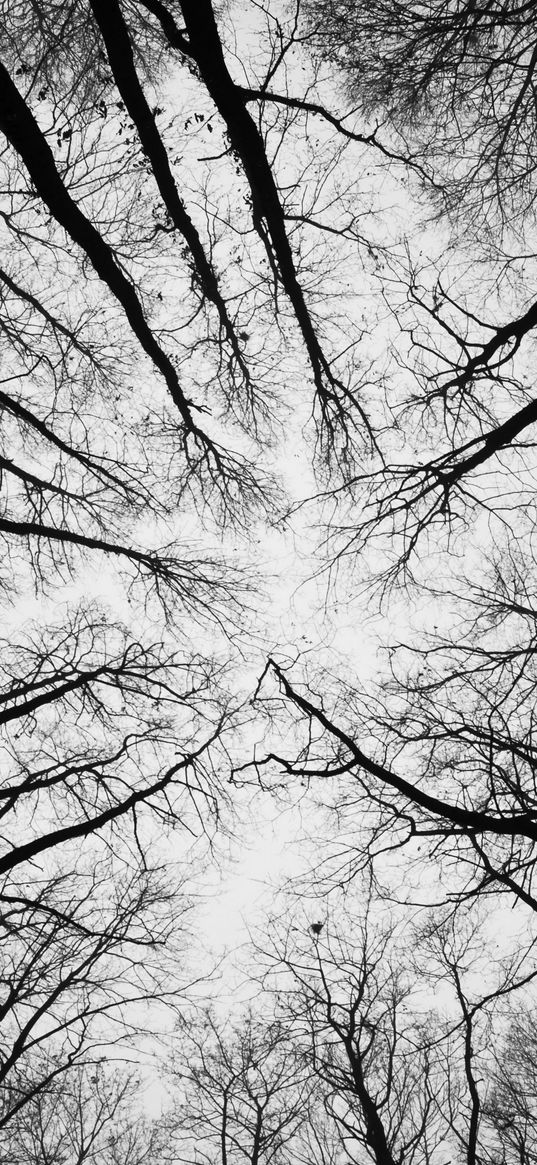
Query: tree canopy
x,y
268,521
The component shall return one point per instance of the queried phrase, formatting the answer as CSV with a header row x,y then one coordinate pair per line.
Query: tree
x,y
453,86
400,1028
511,1107
347,1008
456,79
89,1116
460,784
239,1094
106,745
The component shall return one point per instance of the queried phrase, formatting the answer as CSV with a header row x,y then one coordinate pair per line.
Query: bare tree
x,y
240,1094
444,775
455,82
510,1109
106,745
349,1009
400,1028
90,1114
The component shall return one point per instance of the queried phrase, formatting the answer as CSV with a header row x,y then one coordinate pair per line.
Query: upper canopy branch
x,y
469,820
